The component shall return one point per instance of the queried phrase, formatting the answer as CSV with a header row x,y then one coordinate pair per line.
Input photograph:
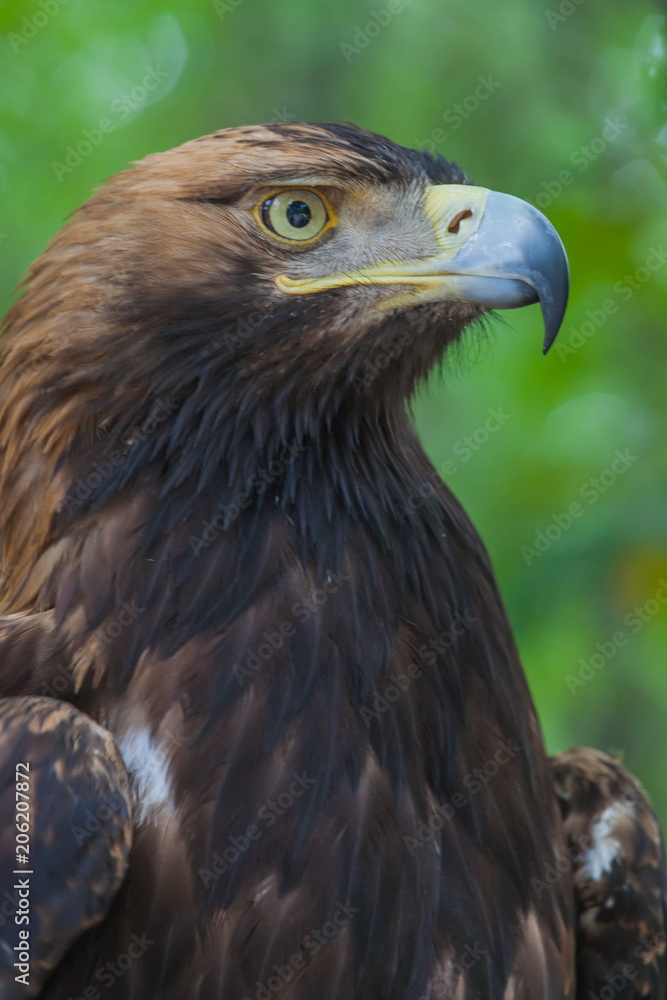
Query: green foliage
x,y
562,105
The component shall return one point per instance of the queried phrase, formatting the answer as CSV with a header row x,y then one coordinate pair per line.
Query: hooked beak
x,y
493,250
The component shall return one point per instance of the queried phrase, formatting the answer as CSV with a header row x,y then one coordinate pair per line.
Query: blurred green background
x,y
563,104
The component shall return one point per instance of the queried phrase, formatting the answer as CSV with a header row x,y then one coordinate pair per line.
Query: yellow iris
x,y
295,215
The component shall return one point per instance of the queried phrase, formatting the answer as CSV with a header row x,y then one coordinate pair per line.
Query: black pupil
x,y
298,214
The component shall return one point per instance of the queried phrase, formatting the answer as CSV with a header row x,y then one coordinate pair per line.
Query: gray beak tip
x,y
555,303
533,258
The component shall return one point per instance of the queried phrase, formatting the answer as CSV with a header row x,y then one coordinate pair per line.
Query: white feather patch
x,y
601,856
148,766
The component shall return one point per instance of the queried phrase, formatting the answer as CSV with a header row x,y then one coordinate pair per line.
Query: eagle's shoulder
x,y
616,849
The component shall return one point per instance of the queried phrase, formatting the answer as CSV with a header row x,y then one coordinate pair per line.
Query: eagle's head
x,y
261,284
296,252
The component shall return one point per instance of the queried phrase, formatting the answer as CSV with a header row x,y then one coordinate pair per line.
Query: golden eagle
x,y
274,736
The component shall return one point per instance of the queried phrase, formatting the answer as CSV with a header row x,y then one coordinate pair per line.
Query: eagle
x,y
264,732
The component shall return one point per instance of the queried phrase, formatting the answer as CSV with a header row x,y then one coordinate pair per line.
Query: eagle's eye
x,y
295,215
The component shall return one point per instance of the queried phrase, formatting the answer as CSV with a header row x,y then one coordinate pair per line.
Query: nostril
x,y
453,226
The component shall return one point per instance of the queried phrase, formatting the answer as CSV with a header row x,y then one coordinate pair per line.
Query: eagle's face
x,y
305,250
262,285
